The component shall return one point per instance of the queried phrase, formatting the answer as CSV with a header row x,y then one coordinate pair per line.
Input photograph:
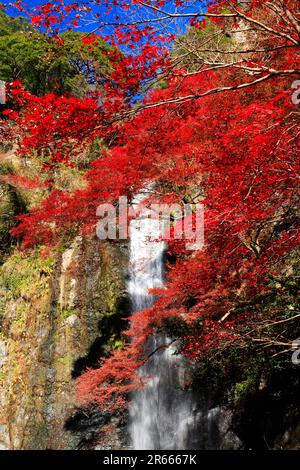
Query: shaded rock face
x,y
268,417
215,430
98,431
58,315
259,410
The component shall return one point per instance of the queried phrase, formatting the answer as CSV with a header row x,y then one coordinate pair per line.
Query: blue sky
x,y
87,25
32,4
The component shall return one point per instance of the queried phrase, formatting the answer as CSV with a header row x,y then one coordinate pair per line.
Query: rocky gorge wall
x,y
58,315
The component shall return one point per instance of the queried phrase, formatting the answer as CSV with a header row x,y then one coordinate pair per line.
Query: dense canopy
x,y
200,100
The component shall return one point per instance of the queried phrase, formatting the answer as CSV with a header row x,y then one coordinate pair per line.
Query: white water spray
x,y
162,415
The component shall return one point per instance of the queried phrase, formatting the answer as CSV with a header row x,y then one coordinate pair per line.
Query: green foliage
x,y
9,25
24,276
241,389
42,64
95,151
67,312
117,344
65,361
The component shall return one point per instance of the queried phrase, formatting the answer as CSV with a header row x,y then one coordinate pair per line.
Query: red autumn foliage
x,y
228,137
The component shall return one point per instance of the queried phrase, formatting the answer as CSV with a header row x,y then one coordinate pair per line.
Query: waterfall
x,y
163,415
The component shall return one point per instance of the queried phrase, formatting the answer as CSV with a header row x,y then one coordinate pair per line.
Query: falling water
x,y
163,414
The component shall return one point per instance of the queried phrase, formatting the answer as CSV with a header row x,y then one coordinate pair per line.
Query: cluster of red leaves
x,y
237,148
250,182
51,126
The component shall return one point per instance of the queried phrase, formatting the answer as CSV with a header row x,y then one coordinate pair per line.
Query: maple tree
x,y
211,122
